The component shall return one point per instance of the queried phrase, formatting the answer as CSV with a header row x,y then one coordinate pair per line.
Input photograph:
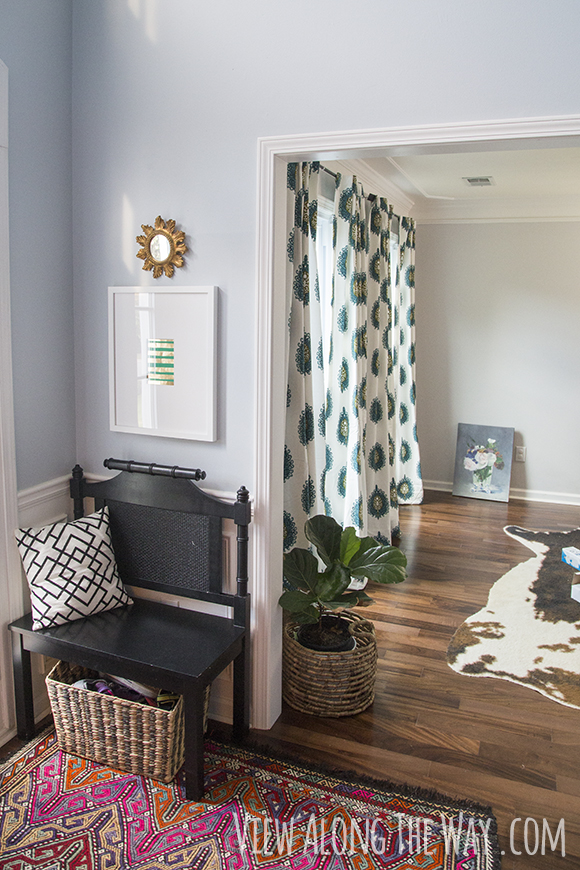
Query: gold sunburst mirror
x,y
162,247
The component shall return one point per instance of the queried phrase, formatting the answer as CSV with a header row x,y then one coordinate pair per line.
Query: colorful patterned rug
x,y
529,631
59,811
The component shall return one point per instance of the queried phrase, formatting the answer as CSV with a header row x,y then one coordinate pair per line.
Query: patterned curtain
x,y
407,459
304,452
358,457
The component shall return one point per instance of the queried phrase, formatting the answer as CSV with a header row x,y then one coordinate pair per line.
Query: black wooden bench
x,y
167,536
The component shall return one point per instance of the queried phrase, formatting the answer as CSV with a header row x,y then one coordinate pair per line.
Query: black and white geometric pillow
x,y
71,570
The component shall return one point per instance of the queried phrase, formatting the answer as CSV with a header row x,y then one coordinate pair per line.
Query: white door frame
x,y
273,155
10,573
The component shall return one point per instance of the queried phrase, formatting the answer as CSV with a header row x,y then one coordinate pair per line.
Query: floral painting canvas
x,y
483,462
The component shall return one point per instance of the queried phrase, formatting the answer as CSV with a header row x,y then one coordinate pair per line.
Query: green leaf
x,y
324,533
369,543
381,564
294,601
333,583
349,544
301,569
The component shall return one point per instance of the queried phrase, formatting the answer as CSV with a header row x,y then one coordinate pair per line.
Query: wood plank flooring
x,y
483,739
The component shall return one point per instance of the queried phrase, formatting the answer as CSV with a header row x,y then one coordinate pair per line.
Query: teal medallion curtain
x,y
304,449
351,442
407,459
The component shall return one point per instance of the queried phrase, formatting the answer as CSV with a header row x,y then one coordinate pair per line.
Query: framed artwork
x,y
483,462
162,361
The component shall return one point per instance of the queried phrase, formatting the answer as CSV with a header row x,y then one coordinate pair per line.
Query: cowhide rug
x,y
529,632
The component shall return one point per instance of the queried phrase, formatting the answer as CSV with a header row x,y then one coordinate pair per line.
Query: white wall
x,y
498,306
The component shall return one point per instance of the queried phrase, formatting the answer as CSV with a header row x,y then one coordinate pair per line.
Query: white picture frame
x,y
162,361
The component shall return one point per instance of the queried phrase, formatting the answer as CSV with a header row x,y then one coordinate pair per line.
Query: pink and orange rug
x,y
59,811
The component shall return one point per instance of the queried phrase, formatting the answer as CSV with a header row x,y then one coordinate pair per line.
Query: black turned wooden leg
x,y
193,763
22,688
241,717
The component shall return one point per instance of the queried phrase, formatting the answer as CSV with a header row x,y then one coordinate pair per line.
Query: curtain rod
x,y
371,196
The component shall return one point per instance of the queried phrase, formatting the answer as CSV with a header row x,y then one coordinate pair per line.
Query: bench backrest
x,y
167,532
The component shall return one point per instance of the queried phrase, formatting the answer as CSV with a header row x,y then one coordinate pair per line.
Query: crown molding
x,y
536,209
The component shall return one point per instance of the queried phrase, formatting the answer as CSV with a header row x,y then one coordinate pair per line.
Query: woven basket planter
x,y
126,735
330,683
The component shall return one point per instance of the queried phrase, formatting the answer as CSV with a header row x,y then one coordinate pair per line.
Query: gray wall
x,y
35,45
498,310
170,99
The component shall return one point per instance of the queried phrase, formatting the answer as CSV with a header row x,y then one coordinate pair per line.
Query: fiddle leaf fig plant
x,y
312,593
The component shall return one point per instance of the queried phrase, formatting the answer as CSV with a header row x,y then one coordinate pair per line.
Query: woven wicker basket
x,y
331,683
126,735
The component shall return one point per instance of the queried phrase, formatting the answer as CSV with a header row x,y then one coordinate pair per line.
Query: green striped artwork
x,y
160,361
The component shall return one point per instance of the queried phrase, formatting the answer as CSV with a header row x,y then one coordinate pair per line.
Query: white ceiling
x,y
528,183
550,171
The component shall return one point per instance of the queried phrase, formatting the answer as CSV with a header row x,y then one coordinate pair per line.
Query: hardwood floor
x,y
483,739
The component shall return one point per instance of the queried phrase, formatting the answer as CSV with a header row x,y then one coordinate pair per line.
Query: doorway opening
x,y
274,154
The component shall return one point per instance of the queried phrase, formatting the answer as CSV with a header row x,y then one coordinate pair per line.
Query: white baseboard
x,y
438,485
547,497
517,494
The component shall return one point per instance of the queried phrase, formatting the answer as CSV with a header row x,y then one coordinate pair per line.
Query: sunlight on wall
x,y
128,234
146,11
